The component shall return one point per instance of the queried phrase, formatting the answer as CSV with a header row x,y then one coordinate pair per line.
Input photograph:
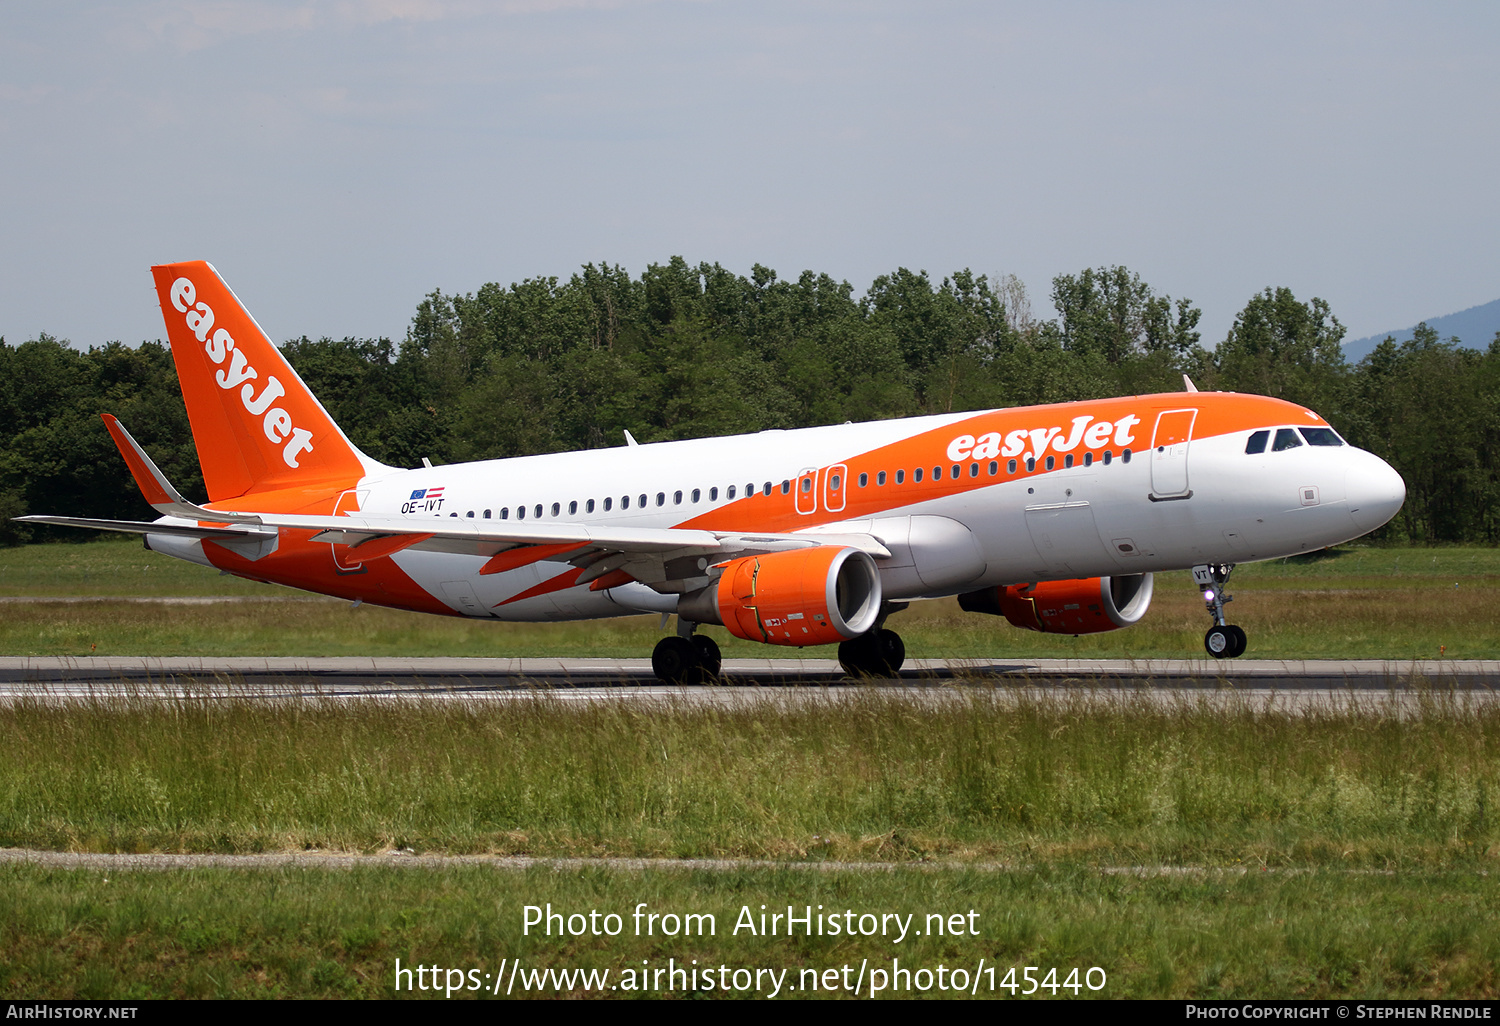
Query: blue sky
x,y
337,160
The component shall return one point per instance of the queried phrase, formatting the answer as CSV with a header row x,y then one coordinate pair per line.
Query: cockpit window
x,y
1286,438
1321,436
1257,443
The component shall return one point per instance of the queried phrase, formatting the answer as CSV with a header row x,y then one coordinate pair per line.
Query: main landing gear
x,y
685,657
1223,640
879,653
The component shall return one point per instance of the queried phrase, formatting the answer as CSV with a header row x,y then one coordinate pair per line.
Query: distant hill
x,y
1474,327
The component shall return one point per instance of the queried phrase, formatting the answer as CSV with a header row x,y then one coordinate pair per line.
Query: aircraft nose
x,y
1375,492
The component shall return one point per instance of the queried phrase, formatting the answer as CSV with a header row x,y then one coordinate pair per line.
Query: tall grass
x,y
851,773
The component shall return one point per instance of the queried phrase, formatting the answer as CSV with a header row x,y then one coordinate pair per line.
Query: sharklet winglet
x,y
155,487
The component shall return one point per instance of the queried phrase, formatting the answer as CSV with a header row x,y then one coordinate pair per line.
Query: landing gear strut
x,y
1223,640
686,657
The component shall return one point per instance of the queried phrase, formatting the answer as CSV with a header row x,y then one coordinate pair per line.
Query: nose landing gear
x,y
1223,640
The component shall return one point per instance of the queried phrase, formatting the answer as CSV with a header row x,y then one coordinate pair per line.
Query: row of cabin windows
x,y
1286,438
641,501
805,486
956,471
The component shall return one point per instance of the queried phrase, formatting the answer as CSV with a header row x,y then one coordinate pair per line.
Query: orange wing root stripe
x,y
376,548
559,583
613,579
525,555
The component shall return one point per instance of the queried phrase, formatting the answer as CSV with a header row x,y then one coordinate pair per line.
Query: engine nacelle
x,y
1067,607
812,596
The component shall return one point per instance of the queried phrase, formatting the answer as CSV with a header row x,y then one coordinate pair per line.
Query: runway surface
x,y
370,677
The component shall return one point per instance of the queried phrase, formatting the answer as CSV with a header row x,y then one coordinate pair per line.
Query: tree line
x,y
688,351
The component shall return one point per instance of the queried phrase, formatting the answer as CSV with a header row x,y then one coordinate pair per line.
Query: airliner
x,y
1053,517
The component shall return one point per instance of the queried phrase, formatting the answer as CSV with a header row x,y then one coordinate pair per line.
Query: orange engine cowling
x,y
812,596
1067,607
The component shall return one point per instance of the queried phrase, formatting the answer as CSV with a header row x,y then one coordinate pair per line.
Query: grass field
x,y
1349,603
1186,847
338,933
967,774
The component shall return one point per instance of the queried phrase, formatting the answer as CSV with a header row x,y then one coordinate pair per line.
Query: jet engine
x,y
811,596
1067,607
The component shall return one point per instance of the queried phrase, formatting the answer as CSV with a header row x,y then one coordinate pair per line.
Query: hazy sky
x,y
337,160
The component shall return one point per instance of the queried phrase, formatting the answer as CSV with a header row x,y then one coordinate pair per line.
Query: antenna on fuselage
x,y
1187,383
630,439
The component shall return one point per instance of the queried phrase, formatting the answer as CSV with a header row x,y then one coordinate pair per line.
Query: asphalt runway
x,y
478,678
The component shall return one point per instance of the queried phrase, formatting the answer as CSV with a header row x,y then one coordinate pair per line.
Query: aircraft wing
x,y
667,559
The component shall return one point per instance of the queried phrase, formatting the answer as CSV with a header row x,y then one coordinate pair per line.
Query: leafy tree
x,y
1282,347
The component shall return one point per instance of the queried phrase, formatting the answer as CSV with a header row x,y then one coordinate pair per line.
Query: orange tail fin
x,y
256,425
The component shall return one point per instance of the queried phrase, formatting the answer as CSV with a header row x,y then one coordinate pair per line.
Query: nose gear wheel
x,y
1223,640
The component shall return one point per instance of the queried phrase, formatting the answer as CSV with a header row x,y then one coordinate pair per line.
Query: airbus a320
x,y
1053,517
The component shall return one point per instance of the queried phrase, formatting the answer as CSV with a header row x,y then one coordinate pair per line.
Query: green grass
x,y
843,774
1348,852
1349,603
338,933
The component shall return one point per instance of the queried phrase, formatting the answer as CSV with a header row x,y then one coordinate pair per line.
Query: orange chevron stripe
x,y
559,583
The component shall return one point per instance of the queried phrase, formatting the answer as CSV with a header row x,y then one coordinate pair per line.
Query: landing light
x,y
1208,595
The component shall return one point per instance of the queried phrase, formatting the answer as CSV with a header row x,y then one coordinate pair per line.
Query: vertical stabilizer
x,y
256,425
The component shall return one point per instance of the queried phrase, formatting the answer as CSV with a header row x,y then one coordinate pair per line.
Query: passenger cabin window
x,y
641,501
1051,462
1088,459
556,508
806,485
1286,438
624,502
900,477
916,476
676,498
1321,436
588,507
1010,468
608,502
505,513
713,494
661,498
1125,455
538,510
520,512
572,507
973,470
937,473
729,492
786,488
864,479
880,478
697,494
1257,443
768,488
486,514
1109,457
1030,464
957,470
471,514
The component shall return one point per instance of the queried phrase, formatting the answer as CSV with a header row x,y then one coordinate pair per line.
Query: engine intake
x,y
1086,606
812,596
